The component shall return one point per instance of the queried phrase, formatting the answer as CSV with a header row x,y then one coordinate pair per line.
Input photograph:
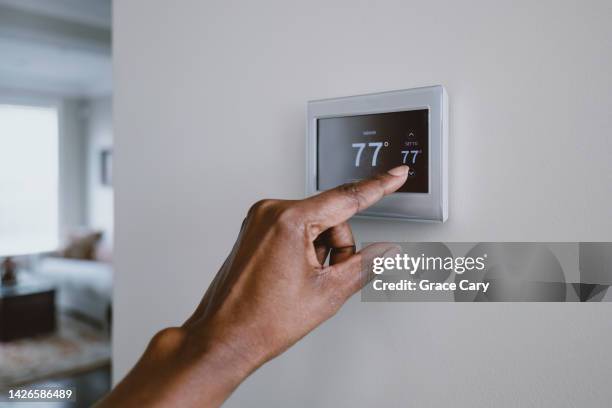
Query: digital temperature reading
x,y
350,138
351,148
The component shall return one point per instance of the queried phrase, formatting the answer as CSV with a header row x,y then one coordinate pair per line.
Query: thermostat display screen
x,y
351,148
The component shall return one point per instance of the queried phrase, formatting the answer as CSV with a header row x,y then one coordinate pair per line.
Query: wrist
x,y
230,354
203,369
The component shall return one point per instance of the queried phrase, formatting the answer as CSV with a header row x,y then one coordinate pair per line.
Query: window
x,y
29,160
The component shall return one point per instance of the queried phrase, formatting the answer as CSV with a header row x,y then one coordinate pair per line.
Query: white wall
x,y
99,138
209,115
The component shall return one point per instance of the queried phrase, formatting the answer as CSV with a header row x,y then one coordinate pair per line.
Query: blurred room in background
x,y
56,195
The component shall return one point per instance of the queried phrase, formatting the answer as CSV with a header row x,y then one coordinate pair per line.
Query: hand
x,y
272,290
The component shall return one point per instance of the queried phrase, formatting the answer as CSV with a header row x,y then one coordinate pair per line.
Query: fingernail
x,y
398,171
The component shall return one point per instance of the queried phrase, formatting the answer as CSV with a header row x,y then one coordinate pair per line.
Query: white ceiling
x,y
56,46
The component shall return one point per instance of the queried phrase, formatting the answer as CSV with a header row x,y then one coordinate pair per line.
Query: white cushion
x,y
82,286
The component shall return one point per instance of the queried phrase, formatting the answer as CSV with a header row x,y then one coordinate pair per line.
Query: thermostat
x,y
355,137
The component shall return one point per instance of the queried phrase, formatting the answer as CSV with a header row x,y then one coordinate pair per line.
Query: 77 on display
x,y
408,156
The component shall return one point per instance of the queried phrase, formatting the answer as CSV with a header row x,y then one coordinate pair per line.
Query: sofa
x,y
84,287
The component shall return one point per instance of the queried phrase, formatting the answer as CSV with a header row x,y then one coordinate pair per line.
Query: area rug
x,y
75,347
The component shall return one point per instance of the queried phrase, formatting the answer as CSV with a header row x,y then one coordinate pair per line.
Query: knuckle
x,y
260,206
380,181
283,215
349,188
288,217
353,192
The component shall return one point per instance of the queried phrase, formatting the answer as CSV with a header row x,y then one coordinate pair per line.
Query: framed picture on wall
x,y
106,167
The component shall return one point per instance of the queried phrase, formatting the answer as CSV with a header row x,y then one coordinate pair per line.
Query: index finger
x,y
335,206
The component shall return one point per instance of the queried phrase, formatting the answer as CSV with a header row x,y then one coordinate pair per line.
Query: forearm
x,y
273,289
181,368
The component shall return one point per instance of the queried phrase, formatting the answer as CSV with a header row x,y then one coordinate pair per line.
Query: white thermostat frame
x,y
431,206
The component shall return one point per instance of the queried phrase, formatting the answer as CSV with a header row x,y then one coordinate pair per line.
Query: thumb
x,y
355,272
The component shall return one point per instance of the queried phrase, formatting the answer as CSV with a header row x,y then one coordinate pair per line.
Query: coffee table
x,y
27,308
